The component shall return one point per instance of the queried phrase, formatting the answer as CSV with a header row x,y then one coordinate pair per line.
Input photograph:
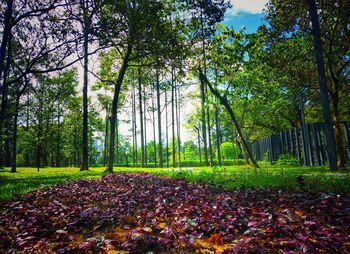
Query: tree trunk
x,y
6,34
58,148
27,129
117,140
2,119
85,165
226,104
160,146
14,137
178,125
203,122
166,129
209,131
141,120
4,98
173,116
133,126
217,130
338,132
115,106
330,141
199,145
145,123
154,130
106,139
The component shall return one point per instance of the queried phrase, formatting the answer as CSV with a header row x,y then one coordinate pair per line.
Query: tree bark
x,y
199,144
117,88
154,129
117,140
226,104
203,122
217,129
133,125
5,39
166,129
14,137
178,125
145,122
4,99
338,132
330,141
58,148
160,146
141,120
85,165
173,116
106,139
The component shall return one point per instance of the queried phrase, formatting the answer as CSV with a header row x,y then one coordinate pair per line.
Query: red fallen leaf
x,y
255,210
216,239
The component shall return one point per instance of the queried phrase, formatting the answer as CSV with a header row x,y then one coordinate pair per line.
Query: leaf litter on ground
x,y
142,213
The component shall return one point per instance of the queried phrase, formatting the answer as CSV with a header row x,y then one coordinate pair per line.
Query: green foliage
x,y
287,160
229,151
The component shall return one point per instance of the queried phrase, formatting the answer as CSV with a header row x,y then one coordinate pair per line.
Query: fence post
x,y
297,144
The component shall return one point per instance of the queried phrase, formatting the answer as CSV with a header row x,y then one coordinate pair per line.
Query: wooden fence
x,y
306,143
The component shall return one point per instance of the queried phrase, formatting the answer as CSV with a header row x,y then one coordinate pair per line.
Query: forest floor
x,y
144,213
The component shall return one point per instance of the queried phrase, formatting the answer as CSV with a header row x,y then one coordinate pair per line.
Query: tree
x,y
143,30
289,19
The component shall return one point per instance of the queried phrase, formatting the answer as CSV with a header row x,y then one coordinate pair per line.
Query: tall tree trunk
x,y
166,129
106,139
330,141
209,131
3,114
6,34
178,125
85,165
27,130
199,144
133,125
160,146
338,131
145,122
58,148
117,88
173,116
154,129
226,104
116,140
141,120
14,137
217,130
4,99
203,122
217,125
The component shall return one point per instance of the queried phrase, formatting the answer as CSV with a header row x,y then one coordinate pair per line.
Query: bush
x,y
287,160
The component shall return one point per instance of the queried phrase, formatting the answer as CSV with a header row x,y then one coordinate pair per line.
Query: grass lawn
x,y
314,179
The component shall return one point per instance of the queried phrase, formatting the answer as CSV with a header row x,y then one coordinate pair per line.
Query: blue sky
x,y
247,13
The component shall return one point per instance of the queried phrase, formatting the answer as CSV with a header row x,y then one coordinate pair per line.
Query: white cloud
x,y
251,6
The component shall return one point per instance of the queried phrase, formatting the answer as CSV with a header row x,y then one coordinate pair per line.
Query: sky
x,y
245,13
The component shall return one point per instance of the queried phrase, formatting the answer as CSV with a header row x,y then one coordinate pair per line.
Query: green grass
x,y
314,179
